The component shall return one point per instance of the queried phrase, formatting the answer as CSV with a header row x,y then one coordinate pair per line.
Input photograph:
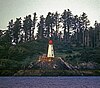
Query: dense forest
x,y
19,44
71,29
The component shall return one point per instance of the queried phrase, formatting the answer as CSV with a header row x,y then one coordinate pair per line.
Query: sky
x,y
11,9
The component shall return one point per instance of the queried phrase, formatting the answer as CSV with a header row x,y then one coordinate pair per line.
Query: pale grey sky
x,y
11,9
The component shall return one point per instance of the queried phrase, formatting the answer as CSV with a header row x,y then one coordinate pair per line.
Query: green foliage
x,y
14,57
17,53
6,64
91,55
84,56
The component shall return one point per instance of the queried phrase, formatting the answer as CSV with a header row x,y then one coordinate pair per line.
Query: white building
x,y
50,49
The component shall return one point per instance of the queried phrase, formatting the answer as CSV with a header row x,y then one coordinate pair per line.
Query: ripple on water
x,y
50,82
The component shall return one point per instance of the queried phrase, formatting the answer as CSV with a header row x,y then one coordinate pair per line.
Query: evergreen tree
x,y
75,23
41,27
66,18
52,25
48,24
34,24
1,33
60,36
57,25
27,26
84,27
10,31
16,30
91,37
97,33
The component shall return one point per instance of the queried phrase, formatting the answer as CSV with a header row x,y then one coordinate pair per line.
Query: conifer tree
x,y
48,24
16,30
27,25
34,24
84,27
57,25
75,23
66,18
91,37
1,33
10,30
97,33
41,26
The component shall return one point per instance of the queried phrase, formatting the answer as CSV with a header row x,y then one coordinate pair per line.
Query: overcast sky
x,y
11,9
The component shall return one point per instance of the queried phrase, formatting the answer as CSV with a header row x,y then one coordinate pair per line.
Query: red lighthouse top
x,y
50,42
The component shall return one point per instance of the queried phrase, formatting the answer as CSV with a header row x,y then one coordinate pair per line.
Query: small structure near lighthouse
x,y
50,49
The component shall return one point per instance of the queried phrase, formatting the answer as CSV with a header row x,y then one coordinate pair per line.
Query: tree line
x,y
70,29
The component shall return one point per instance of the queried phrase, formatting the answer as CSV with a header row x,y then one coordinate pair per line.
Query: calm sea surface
x,y
50,82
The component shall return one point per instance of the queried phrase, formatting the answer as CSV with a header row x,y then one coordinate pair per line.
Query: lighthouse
x,y
50,49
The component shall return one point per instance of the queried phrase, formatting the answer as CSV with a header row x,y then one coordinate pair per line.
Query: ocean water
x,y
50,82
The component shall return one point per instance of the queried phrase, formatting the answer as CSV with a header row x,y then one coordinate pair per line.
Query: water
x,y
50,82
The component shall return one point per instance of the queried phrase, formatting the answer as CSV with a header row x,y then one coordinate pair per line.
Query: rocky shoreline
x,y
58,67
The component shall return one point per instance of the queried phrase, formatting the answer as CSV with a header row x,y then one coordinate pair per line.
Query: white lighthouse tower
x,y
50,50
